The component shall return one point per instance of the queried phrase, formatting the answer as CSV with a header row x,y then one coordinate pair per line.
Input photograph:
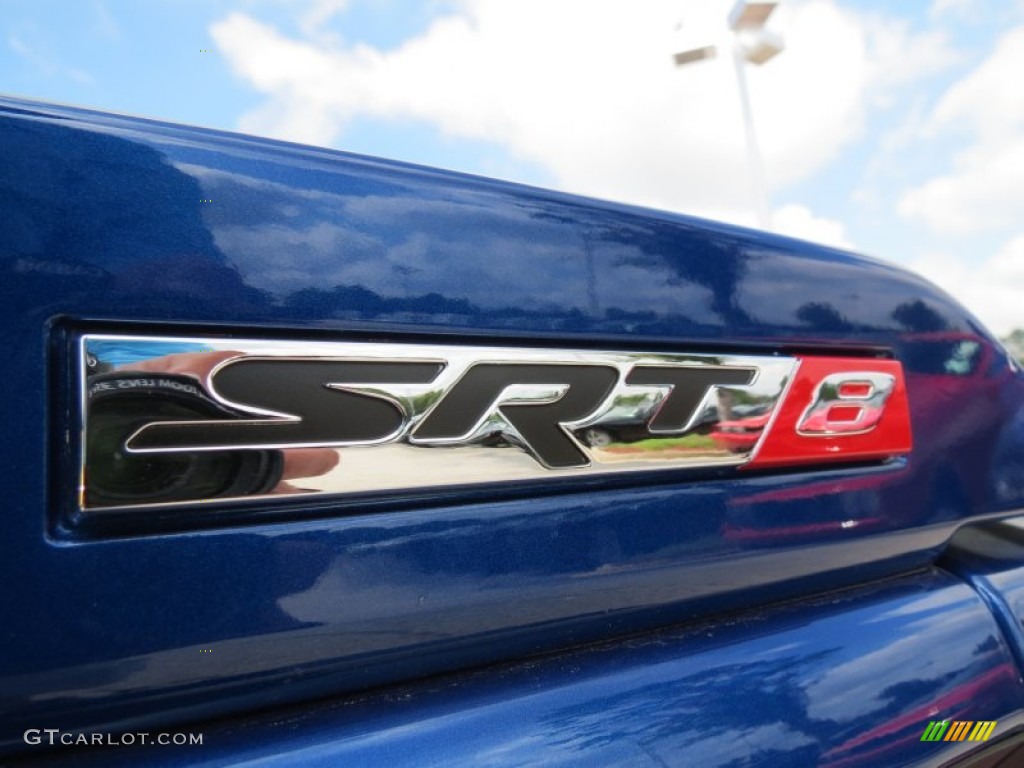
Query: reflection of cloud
x,y
736,745
399,245
364,238
282,260
649,281
399,237
492,274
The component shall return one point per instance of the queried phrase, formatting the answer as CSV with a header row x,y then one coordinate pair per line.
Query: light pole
x,y
754,44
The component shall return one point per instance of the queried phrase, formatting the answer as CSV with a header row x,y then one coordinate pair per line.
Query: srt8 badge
x,y
186,421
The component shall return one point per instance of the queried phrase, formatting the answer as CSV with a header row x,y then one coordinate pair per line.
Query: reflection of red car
x,y
739,435
952,378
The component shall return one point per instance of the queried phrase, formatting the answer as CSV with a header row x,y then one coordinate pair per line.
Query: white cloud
x,y
1008,265
954,8
984,192
899,57
81,77
319,13
47,62
993,289
799,221
984,188
20,47
791,219
106,25
588,91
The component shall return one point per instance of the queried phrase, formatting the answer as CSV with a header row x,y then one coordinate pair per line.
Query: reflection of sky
x,y
400,238
310,236
805,685
121,352
494,256
842,692
775,293
827,677
317,227
796,686
413,245
129,241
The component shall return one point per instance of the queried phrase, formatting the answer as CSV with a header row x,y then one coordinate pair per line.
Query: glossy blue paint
x,y
851,681
991,559
103,228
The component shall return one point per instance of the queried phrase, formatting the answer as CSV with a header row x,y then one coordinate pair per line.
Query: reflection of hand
x,y
306,462
298,462
198,364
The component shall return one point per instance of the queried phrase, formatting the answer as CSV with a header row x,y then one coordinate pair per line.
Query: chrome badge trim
x,y
865,408
183,421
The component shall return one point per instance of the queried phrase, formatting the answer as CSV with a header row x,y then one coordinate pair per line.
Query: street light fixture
x,y
745,15
756,45
695,54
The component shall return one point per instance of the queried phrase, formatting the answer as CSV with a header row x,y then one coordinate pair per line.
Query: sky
x,y
891,129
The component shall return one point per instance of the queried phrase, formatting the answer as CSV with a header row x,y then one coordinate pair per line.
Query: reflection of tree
x,y
716,262
359,301
822,316
420,403
918,317
355,299
741,397
1015,343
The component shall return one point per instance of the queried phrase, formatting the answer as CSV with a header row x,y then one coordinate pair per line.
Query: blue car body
x,y
822,615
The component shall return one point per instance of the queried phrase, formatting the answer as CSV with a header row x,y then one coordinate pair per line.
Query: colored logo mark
x,y
958,730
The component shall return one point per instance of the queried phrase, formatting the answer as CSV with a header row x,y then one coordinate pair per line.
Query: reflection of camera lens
x,y
119,404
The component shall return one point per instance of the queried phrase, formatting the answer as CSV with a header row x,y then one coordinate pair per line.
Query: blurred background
x,y
892,129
